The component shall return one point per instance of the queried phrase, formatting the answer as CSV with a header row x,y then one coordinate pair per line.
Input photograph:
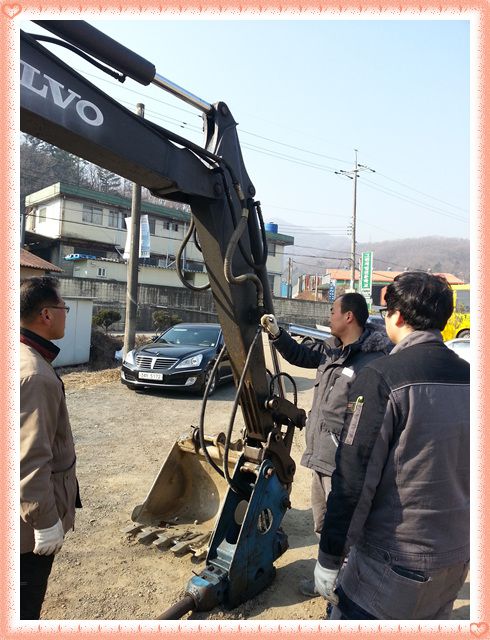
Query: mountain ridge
x,y
313,253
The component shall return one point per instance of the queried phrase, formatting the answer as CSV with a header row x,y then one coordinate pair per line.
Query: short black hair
x,y
36,293
424,300
356,303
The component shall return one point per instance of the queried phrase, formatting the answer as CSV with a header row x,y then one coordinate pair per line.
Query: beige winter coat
x,y
48,484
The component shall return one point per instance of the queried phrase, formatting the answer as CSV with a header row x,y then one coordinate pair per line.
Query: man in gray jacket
x,y
48,484
337,361
400,498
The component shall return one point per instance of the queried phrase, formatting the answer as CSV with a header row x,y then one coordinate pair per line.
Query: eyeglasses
x,y
67,309
383,312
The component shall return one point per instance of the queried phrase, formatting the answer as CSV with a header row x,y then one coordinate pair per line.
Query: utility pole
x,y
290,273
22,227
353,175
134,252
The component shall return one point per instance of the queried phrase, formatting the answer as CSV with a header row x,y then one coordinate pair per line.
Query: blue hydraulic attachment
x,y
246,541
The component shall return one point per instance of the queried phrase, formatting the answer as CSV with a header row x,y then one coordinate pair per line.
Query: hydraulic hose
x,y
283,374
202,441
179,609
265,251
231,206
180,273
245,277
230,481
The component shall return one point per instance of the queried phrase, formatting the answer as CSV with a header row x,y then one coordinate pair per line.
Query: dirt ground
x,y
122,438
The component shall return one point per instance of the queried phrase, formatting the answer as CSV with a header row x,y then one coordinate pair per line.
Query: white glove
x,y
269,322
325,582
49,541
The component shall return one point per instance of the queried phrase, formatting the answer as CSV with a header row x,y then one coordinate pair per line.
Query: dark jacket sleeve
x,y
365,441
300,355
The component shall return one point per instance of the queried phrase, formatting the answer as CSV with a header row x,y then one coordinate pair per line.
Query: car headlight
x,y
193,361
129,357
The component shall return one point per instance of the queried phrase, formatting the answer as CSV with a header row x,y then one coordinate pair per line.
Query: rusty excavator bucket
x,y
180,509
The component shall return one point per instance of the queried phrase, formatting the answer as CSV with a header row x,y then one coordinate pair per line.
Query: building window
x,y
152,224
175,227
101,272
41,214
271,248
116,219
92,215
271,282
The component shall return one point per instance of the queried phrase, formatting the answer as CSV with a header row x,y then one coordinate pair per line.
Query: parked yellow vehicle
x,y
458,325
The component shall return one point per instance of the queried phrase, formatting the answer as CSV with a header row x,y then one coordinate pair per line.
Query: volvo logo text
x,y
40,83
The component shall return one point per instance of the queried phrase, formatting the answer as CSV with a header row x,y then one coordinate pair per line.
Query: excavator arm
x,y
61,107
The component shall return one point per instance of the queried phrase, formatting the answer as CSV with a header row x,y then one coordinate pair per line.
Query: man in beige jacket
x,y
48,483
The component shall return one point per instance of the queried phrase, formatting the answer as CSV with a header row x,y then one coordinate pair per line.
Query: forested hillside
x,y
446,255
43,164
314,252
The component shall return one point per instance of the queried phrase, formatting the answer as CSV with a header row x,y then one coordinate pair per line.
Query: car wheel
x,y
464,334
214,383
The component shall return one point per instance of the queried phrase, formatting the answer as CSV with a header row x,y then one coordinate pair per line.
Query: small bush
x,y
106,317
141,340
102,349
163,320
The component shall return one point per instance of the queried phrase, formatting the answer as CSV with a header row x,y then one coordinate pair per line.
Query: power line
x,y
411,200
302,162
184,125
292,159
283,156
421,192
316,213
318,249
289,146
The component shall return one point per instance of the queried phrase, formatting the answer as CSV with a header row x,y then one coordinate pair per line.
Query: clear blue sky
x,y
305,95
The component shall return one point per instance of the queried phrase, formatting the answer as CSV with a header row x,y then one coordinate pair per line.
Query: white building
x,y
64,220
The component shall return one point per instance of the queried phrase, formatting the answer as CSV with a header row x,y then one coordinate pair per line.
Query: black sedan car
x,y
180,358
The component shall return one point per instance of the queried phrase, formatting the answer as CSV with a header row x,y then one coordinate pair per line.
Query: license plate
x,y
143,375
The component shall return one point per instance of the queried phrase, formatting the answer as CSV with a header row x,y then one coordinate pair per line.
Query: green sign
x,y
365,286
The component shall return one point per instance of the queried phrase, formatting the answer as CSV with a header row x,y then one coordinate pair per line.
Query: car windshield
x,y
196,336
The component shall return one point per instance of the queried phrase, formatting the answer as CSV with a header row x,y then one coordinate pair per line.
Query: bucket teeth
x,y
199,545
148,534
167,538
183,545
179,540
132,529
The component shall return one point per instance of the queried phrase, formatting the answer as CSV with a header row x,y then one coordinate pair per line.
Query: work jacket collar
x,y
46,348
418,337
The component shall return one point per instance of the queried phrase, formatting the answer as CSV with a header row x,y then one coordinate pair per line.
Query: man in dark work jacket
x,y
400,498
337,361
